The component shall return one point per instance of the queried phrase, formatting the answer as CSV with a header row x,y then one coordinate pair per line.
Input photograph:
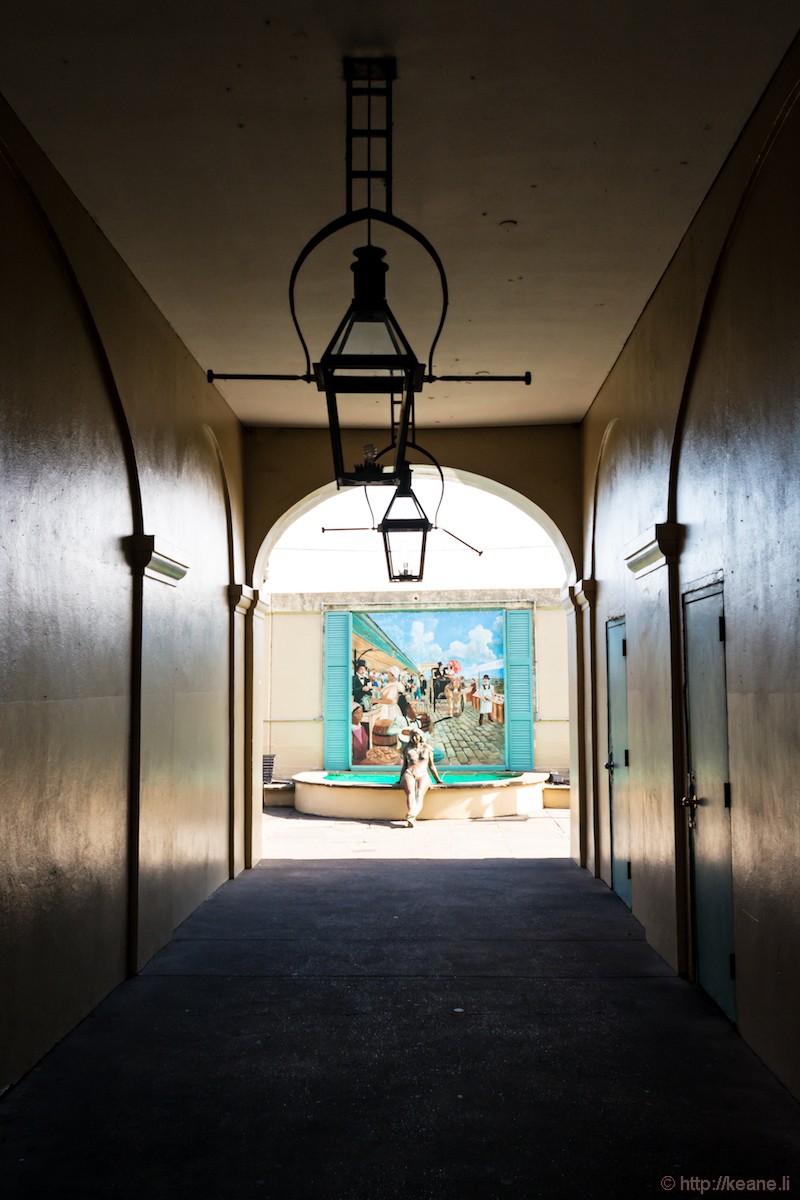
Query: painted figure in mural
x,y
454,697
392,690
438,682
362,685
486,693
418,766
387,706
359,734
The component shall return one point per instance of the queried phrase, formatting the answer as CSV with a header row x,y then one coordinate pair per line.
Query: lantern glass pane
x,y
368,333
404,551
404,508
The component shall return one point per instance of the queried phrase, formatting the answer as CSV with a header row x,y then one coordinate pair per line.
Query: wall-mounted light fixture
x,y
369,354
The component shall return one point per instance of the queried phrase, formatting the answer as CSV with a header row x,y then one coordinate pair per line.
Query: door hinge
x,y
726,789
624,647
629,868
722,629
627,760
733,966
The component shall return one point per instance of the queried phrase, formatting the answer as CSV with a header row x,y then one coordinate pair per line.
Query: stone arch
x,y
590,546
468,478
260,689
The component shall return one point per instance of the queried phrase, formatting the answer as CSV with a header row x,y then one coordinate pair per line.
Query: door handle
x,y
609,766
690,803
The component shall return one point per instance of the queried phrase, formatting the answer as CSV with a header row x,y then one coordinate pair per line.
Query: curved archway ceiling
x,y
553,154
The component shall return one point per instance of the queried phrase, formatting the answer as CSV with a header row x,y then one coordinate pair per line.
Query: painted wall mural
x,y
441,671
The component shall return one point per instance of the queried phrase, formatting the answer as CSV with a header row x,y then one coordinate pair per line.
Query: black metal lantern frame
x,y
369,355
405,528
405,534
396,372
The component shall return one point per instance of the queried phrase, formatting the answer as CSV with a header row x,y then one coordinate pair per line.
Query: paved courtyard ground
x,y
452,1012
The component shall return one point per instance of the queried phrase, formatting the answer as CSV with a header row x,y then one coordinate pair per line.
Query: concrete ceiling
x,y
554,154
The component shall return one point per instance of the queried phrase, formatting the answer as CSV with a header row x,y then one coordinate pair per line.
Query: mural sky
x,y
472,637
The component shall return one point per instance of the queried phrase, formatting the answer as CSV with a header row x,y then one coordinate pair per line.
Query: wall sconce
x,y
369,353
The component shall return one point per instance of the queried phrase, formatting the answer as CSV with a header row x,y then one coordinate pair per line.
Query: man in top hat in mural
x,y
362,685
486,695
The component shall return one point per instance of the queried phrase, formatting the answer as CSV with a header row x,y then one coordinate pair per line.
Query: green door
x,y
708,797
617,764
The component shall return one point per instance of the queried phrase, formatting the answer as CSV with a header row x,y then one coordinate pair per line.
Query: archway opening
x,y
519,544
492,552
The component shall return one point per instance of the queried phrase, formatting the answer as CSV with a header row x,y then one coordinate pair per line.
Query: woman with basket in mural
x,y
418,766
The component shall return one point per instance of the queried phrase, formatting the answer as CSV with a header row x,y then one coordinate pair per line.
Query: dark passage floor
x,y
375,1013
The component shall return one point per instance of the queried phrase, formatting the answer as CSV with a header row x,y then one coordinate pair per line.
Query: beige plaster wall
x,y
551,715
116,710
698,424
65,675
292,677
293,693
743,518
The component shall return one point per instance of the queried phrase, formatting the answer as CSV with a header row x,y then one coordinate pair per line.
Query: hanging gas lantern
x,y
405,529
370,354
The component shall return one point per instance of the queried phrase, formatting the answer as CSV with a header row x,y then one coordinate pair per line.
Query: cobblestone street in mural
x,y
462,740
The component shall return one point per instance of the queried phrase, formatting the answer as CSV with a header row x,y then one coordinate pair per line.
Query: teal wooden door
x,y
617,763
708,797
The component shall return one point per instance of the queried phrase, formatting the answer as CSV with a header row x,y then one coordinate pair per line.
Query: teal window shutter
x,y
338,670
519,690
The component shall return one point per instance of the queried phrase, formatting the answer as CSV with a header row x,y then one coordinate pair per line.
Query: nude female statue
x,y
418,766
